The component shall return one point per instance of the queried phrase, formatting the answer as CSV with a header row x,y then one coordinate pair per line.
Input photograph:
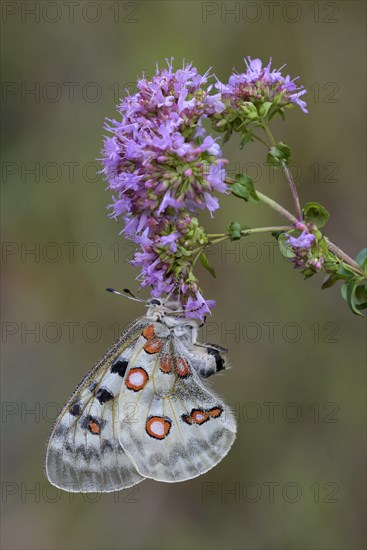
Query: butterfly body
x,y
143,411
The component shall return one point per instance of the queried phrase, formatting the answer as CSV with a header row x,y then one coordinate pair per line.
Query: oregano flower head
x,y
164,167
260,84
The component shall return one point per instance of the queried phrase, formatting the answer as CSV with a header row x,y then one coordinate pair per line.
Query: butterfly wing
x,y
83,453
179,429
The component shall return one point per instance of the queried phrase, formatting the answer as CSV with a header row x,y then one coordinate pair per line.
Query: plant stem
x,y
288,176
276,206
343,256
223,238
270,202
250,231
269,134
266,229
293,189
261,140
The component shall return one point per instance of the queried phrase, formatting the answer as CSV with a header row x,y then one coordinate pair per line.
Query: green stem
x,y
269,134
261,140
338,252
294,192
270,202
199,250
266,229
276,206
223,238
288,175
250,231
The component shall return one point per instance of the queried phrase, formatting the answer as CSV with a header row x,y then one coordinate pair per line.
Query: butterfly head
x,y
171,313
162,309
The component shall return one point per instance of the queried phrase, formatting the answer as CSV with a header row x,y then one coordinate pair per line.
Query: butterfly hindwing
x,y
83,452
177,429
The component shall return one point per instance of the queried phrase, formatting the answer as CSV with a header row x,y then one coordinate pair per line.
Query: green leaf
x,y
277,111
343,291
244,188
308,272
249,109
330,281
234,230
205,263
284,247
345,272
361,296
276,234
227,136
315,213
264,109
284,148
246,136
349,294
361,258
279,155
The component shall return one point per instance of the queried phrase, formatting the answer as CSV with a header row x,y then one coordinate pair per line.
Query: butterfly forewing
x,y
176,429
83,452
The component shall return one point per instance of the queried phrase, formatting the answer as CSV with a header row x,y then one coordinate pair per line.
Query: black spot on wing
x,y
75,409
119,367
60,430
219,361
103,395
81,451
106,446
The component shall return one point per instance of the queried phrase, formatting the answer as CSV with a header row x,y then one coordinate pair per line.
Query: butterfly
x,y
143,411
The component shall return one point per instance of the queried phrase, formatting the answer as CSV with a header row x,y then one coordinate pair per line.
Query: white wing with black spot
x,y
83,452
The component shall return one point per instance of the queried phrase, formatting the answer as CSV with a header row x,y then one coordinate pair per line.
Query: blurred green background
x,y
294,478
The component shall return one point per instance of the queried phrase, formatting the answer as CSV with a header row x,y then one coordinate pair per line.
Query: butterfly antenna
x,y
185,311
125,294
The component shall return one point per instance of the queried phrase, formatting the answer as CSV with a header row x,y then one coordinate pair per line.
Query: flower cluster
x,y
254,97
163,167
262,84
306,253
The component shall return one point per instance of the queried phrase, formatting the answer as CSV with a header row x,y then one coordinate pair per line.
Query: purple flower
x,y
171,240
156,155
304,241
197,307
306,251
261,84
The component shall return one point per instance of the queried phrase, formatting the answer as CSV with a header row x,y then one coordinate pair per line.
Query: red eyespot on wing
x,y
158,427
94,427
149,332
153,346
182,367
199,416
136,379
166,365
215,412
